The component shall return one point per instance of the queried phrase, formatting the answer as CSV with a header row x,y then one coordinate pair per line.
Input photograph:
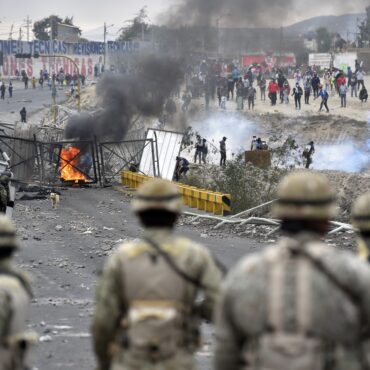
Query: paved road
x,y
65,265
32,99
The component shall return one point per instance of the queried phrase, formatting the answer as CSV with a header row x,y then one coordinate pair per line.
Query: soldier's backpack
x,y
281,350
298,350
155,322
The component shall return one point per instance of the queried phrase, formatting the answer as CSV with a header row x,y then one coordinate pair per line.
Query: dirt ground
x,y
64,251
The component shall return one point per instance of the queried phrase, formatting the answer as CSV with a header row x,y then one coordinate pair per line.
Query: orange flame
x,y
69,165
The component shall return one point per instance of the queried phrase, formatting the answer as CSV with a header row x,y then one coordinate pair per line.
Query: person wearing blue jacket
x,y
324,99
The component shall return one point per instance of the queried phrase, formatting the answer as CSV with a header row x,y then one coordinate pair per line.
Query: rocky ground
x,y
64,251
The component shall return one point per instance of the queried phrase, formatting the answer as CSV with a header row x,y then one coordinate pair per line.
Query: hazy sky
x,y
87,14
90,14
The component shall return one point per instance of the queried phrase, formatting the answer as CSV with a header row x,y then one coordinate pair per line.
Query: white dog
x,y
54,198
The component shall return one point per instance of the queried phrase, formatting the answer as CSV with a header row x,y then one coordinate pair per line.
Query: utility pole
x,y
20,34
105,42
11,32
28,26
105,45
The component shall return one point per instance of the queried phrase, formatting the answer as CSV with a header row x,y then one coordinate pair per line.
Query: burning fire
x,y
69,164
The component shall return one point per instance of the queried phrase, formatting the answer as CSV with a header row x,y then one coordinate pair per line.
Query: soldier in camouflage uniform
x,y
361,221
299,305
15,297
4,192
146,313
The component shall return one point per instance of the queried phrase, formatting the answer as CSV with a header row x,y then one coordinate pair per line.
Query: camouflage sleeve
x,y
108,311
228,347
210,279
356,273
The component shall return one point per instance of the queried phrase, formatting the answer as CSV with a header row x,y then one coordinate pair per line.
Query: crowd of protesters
x,y
46,79
229,81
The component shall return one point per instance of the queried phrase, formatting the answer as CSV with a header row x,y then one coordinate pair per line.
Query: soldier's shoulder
x,y
129,249
249,265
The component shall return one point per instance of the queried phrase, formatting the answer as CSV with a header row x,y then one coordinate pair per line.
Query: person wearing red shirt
x,y
273,90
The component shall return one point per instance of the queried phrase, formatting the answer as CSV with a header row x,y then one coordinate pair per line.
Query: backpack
x,y
278,349
154,329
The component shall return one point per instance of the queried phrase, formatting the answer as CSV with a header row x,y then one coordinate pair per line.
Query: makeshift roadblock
x,y
202,199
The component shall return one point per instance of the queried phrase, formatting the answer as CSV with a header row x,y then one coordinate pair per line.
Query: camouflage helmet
x,y
361,213
4,179
7,233
157,194
304,196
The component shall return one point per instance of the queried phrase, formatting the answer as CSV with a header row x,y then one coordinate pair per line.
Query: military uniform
x,y
361,221
299,305
146,316
4,193
15,297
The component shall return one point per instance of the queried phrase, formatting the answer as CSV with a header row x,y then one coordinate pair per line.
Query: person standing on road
x,y
204,151
307,91
297,93
262,85
223,151
315,82
273,89
15,302
10,89
147,314
308,153
251,97
299,304
23,114
198,149
25,80
360,79
343,95
2,90
353,84
324,99
34,82
361,221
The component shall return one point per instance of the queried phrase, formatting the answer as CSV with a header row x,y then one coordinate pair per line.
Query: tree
x,y
324,40
137,27
45,26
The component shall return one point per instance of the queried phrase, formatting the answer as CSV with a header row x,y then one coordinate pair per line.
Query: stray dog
x,y
54,198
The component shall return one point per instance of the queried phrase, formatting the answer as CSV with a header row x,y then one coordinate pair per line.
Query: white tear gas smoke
x,y
238,130
346,157
123,96
255,13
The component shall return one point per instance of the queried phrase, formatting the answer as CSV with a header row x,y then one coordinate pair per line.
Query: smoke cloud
x,y
255,13
346,157
124,96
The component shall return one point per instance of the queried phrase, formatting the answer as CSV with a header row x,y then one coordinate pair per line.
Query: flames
x,y
69,164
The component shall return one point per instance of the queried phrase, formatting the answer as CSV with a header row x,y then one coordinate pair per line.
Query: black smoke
x,y
254,13
122,97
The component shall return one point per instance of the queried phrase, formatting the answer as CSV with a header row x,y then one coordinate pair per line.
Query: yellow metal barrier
x,y
204,200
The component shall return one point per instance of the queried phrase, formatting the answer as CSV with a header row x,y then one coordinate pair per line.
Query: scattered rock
x,y
45,338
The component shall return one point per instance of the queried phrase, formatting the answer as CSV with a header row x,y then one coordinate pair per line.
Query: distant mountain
x,y
346,25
